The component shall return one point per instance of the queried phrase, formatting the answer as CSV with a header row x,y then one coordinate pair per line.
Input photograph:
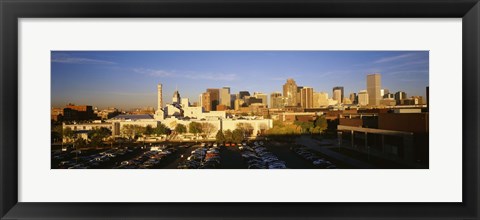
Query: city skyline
x,y
127,79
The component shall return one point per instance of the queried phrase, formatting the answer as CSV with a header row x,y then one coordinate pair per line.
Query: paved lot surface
x,y
230,157
314,145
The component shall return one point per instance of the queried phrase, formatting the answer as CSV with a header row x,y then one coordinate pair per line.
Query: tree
x,y
97,136
320,125
161,129
237,136
180,128
306,126
149,130
68,133
55,136
280,128
195,128
246,128
80,142
132,131
208,129
220,138
262,128
228,135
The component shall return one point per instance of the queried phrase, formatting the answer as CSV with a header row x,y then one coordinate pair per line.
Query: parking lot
x,y
208,155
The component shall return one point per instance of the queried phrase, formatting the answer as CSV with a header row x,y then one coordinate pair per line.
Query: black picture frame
x,y
12,10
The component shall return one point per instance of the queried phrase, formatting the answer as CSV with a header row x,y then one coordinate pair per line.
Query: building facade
x,y
363,98
374,85
276,100
225,97
290,92
306,98
338,94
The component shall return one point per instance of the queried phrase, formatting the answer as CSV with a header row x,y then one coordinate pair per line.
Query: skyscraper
x,y
374,86
306,99
399,96
276,100
233,97
214,98
299,96
338,93
225,97
290,92
206,101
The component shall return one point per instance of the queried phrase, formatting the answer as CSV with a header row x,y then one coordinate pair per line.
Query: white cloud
x,y
65,58
212,76
407,72
152,72
187,74
393,58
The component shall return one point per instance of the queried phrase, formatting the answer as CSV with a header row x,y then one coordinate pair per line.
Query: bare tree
x,y
208,129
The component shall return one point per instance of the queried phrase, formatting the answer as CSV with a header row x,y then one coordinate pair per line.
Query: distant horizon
x,y
128,79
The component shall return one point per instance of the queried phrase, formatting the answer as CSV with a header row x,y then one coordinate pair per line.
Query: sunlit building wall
x,y
374,85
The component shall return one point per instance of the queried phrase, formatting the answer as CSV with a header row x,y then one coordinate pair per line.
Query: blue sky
x,y
128,79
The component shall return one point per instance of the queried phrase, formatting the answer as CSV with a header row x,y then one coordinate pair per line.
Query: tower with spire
x,y
176,97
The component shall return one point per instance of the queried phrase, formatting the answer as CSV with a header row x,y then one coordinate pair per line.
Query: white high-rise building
x,y
363,98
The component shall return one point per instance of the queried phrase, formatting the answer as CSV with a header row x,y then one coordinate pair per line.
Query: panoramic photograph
x,y
239,109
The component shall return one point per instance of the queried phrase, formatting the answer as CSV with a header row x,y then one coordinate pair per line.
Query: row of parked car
x,y
307,154
83,161
148,159
258,157
206,156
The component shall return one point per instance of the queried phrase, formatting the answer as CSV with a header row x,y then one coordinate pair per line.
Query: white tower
x,y
159,114
160,99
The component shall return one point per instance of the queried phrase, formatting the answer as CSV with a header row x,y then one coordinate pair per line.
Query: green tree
x,y
237,136
149,130
228,135
133,131
161,129
280,128
97,136
195,128
180,128
220,138
306,126
320,125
